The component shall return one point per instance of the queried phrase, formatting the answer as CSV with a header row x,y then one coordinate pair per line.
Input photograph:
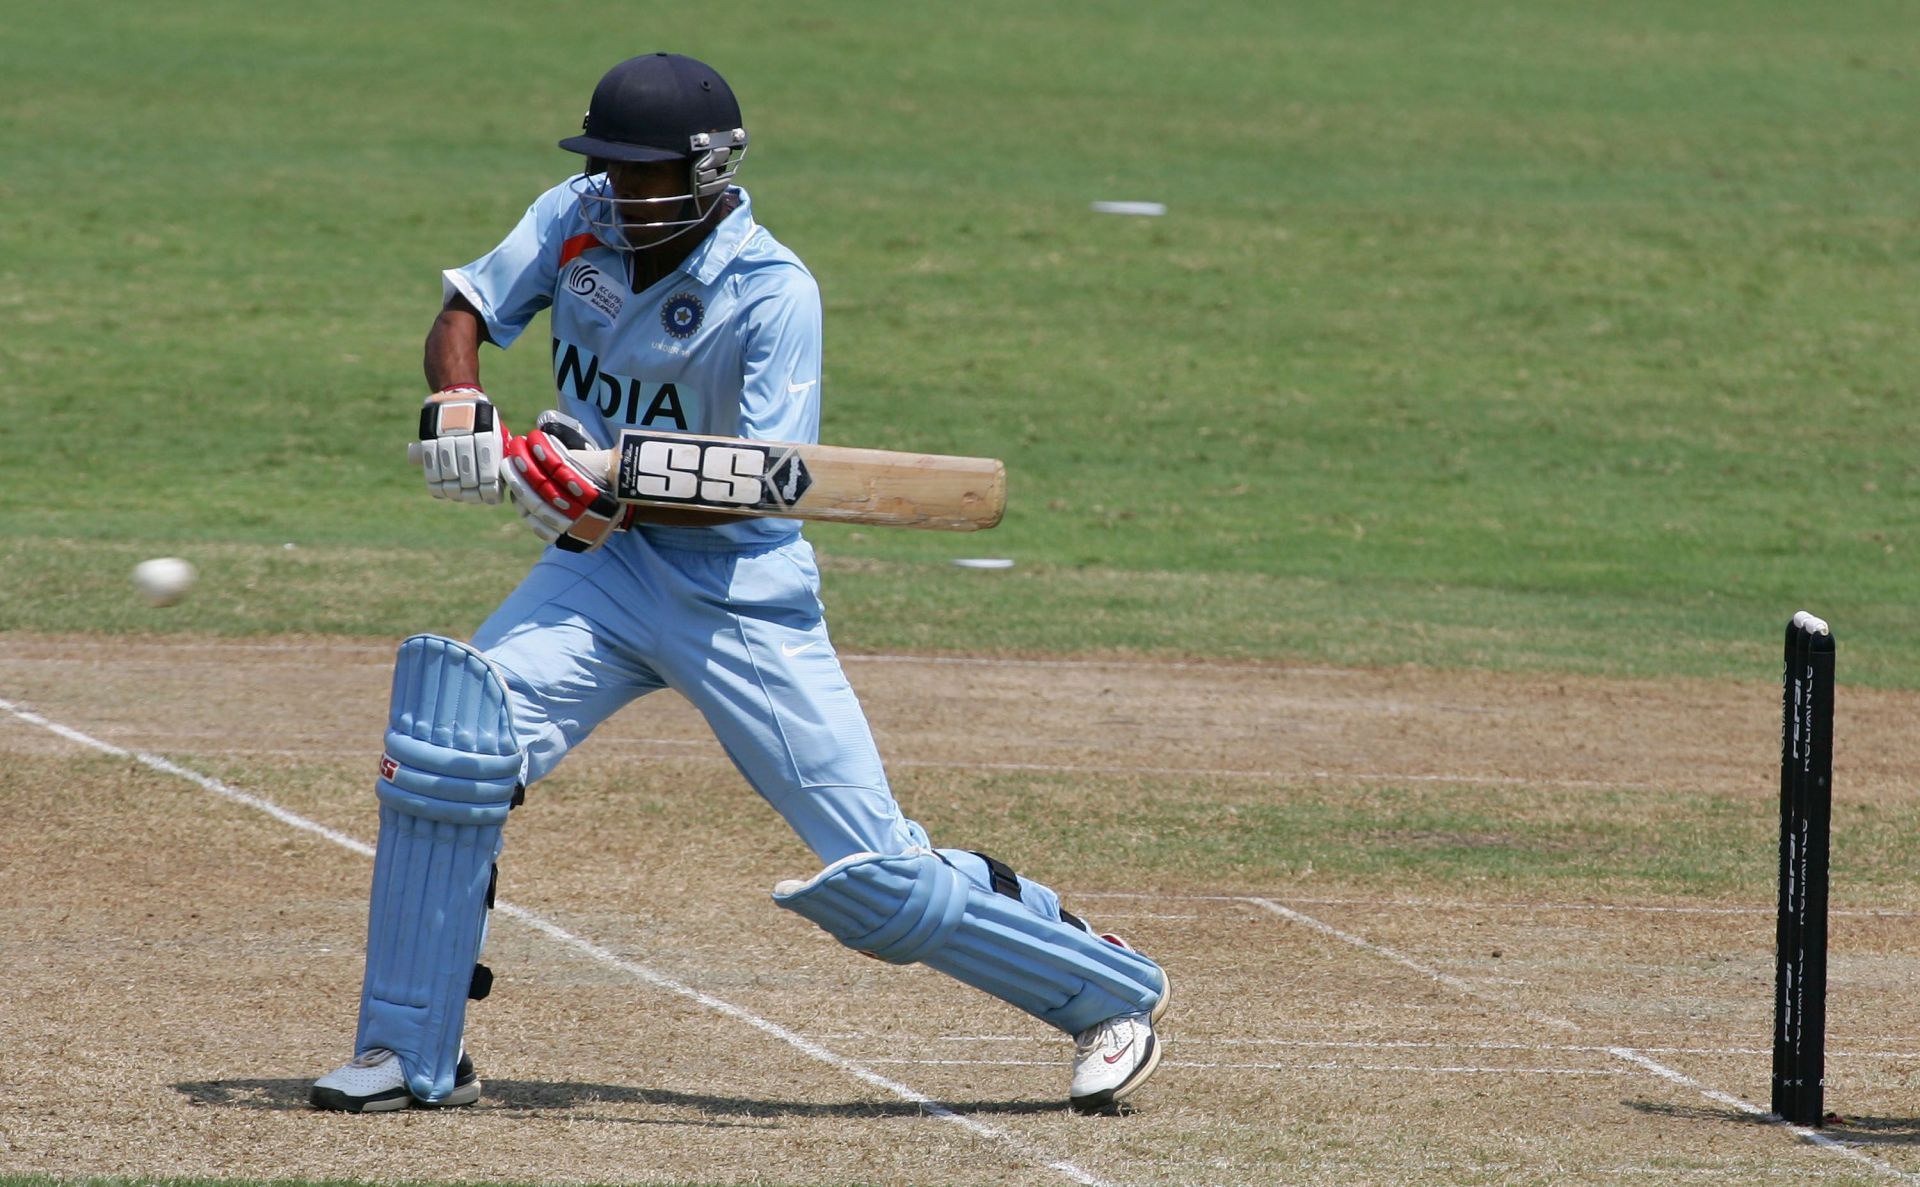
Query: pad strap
x,y
447,780
1004,880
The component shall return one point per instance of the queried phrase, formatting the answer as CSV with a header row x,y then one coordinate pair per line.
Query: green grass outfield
x,y
1544,336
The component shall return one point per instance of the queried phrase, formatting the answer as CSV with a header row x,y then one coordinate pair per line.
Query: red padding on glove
x,y
558,483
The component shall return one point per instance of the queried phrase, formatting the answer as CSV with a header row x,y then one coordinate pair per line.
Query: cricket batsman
x,y
673,310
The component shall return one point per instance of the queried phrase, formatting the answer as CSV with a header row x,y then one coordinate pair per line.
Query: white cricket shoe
x,y
375,1082
1113,1059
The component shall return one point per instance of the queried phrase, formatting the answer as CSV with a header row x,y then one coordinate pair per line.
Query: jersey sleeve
x,y
514,281
780,356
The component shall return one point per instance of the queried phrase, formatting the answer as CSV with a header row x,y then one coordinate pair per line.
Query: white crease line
x,y
1294,1067
800,1042
207,782
1628,1054
1187,1040
1461,905
1464,905
1477,1171
1753,1110
556,932
1635,908
1450,981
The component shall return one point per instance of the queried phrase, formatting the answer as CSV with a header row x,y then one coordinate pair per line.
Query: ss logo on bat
x,y
728,476
689,471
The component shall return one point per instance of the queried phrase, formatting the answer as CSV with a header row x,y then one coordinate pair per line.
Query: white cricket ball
x,y
163,580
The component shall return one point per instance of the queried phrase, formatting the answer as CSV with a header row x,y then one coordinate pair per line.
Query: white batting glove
x,y
555,496
462,445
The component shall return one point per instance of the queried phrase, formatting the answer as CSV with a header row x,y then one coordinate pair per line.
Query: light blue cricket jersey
x,y
727,345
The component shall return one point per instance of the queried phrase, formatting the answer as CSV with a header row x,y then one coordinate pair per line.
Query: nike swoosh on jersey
x,y
790,652
796,388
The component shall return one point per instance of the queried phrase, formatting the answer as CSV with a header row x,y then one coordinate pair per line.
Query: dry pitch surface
x,y
180,962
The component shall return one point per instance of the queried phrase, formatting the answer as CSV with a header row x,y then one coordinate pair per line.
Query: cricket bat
x,y
835,483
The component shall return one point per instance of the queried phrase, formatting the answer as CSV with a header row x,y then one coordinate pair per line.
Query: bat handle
x,y
601,465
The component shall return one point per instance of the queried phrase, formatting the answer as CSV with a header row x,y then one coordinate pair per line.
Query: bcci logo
x,y
681,315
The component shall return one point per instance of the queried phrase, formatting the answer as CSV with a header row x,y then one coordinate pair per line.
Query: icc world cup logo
x,y
681,315
581,281
591,285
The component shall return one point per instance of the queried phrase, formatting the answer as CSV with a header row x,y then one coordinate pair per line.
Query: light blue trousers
x,y
740,635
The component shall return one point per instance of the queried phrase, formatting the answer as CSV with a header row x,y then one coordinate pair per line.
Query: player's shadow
x,y
536,1097
1849,1128
1654,1108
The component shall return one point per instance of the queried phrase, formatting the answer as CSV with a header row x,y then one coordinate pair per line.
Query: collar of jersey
x,y
705,262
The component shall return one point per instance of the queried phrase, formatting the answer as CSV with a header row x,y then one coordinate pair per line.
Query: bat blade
x,y
816,482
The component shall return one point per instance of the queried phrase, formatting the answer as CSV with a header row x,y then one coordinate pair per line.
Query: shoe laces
x,y
372,1057
1108,1033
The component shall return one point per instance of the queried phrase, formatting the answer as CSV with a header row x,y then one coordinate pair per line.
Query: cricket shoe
x,y
375,1082
1114,1058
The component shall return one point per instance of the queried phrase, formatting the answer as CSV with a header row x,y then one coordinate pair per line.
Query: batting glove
x,y
553,494
462,444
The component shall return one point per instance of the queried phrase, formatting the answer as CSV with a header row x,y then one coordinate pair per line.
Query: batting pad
x,y
915,907
446,782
